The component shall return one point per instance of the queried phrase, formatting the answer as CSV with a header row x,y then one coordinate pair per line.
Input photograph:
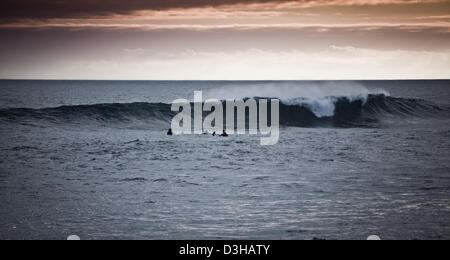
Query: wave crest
x,y
300,112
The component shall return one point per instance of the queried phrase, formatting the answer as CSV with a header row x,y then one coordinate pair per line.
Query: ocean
x,y
354,159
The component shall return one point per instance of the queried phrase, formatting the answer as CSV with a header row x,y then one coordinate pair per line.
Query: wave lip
x,y
334,111
356,111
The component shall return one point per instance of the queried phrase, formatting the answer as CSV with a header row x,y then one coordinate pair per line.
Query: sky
x,y
225,39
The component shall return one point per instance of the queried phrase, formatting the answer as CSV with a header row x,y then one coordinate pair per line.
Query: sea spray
x,y
320,98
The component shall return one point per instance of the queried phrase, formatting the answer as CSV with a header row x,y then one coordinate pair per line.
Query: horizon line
x,y
230,80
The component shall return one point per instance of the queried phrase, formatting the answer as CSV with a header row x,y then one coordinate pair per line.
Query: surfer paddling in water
x,y
259,122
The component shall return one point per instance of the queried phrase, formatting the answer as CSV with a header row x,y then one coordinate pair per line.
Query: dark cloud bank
x,y
35,9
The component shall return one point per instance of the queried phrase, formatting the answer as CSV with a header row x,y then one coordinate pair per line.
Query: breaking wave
x,y
367,111
360,111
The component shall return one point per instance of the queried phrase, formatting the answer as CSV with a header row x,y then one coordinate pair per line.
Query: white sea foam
x,y
320,98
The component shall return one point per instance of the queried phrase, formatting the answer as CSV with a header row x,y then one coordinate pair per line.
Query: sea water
x,y
355,158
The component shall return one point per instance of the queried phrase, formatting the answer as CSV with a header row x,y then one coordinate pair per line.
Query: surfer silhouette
x,y
224,134
170,132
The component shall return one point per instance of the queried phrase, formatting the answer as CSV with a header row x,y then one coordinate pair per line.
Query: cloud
x,y
440,26
22,9
45,9
334,62
433,17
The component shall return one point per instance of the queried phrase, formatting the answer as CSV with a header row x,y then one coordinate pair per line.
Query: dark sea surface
x,y
355,158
